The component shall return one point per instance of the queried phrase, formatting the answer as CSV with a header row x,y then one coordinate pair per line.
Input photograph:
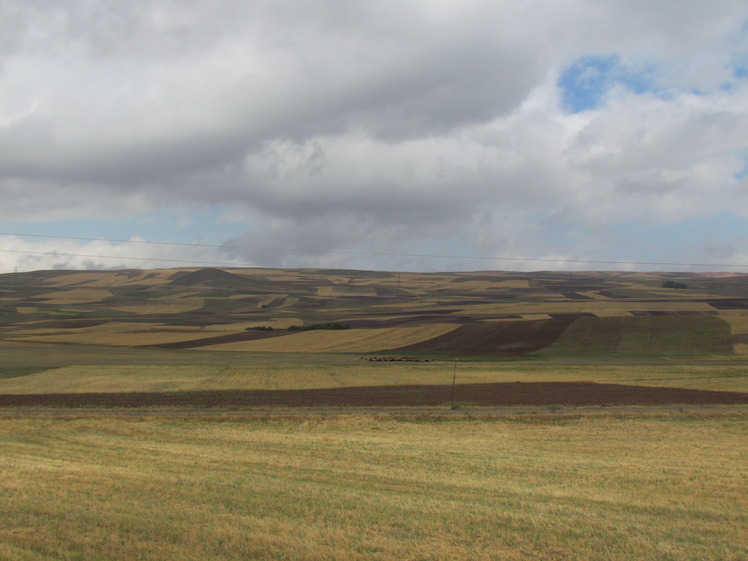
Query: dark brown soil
x,y
733,304
250,335
506,338
519,393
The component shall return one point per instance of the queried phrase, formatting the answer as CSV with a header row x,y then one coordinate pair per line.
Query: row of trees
x,y
312,327
673,284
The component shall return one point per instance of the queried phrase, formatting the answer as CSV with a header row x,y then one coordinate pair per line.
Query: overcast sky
x,y
412,135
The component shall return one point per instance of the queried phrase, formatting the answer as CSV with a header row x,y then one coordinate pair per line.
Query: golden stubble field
x,y
629,487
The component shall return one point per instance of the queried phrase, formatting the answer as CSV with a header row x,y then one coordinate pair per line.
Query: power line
x,y
338,252
159,259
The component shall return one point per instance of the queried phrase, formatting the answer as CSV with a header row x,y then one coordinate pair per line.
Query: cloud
x,y
334,129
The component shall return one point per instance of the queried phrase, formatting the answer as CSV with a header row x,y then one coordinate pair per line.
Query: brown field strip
x,y
498,394
164,305
346,341
494,338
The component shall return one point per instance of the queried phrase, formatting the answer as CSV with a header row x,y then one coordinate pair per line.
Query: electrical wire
x,y
338,252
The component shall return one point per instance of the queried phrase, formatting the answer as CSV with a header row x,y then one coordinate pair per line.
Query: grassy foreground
x,y
366,487
356,373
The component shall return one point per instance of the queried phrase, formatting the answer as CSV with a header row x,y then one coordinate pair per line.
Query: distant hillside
x,y
481,314
213,278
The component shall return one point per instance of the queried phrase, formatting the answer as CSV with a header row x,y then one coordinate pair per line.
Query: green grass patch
x,y
643,336
18,371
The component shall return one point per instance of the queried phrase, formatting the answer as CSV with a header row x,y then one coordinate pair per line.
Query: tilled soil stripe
x,y
519,393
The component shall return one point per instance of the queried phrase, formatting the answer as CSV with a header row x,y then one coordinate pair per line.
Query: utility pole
x,y
454,380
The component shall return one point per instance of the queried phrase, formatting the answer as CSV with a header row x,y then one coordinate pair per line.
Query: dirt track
x,y
505,394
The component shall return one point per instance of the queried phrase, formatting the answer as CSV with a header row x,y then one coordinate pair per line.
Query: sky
x,y
412,135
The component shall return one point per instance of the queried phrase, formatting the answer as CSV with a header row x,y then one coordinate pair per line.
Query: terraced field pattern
x,y
308,313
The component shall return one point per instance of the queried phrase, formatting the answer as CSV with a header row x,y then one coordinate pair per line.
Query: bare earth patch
x,y
498,394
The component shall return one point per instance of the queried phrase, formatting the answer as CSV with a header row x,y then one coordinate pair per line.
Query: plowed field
x,y
505,338
500,394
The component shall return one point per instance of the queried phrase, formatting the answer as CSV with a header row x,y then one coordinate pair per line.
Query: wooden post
x,y
454,380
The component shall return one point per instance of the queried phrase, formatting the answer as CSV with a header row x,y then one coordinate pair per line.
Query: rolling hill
x,y
481,314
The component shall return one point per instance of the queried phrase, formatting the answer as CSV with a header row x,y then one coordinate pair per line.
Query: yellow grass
x,y
126,339
346,290
535,316
738,324
251,376
112,278
112,333
164,305
482,285
348,341
275,300
76,296
374,488
595,295
600,308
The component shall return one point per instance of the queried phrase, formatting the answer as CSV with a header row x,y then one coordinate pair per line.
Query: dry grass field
x,y
349,341
175,429
47,368
355,487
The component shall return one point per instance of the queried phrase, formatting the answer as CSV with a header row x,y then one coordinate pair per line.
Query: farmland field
x,y
311,414
373,487
446,314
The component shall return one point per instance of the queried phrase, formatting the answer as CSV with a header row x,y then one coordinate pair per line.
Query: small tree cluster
x,y
312,327
674,284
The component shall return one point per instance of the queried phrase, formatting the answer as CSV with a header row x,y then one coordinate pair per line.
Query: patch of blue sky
x,y
740,68
744,172
694,244
585,83
182,225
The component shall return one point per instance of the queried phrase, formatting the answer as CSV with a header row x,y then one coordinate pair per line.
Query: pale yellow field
x,y
164,305
112,333
113,278
26,309
76,296
481,285
374,488
601,308
346,290
275,300
532,317
739,326
349,341
127,339
738,323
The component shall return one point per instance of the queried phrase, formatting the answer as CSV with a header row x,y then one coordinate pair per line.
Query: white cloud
x,y
331,126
